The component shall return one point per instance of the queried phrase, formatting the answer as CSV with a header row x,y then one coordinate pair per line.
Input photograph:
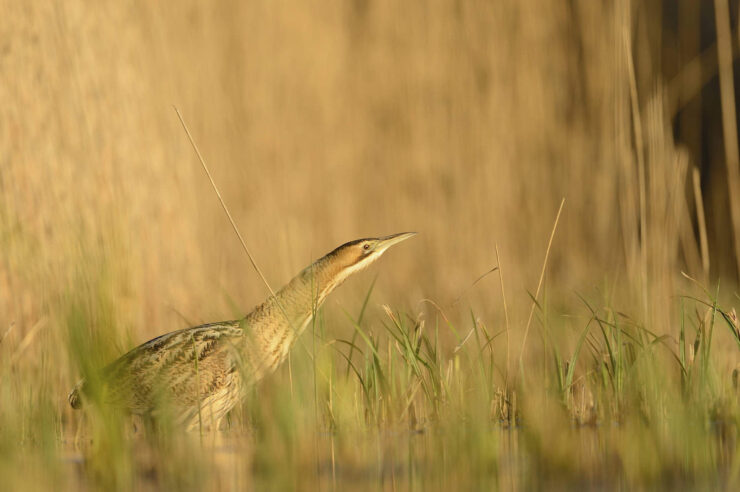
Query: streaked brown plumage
x,y
199,374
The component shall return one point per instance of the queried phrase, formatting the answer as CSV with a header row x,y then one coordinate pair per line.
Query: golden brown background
x,y
327,121
467,121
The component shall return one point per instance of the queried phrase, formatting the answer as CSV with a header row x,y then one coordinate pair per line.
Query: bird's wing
x,y
188,364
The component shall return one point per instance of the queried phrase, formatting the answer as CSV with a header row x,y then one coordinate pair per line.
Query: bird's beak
x,y
388,241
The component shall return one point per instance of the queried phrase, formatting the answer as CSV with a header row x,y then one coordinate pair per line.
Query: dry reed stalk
x,y
704,244
689,242
678,201
506,317
641,173
666,183
729,123
27,340
628,199
223,205
542,277
7,332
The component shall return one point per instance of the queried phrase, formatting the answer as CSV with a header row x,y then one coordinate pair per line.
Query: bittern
x,y
198,374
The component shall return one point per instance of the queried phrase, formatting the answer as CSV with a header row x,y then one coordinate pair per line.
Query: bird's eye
x,y
366,246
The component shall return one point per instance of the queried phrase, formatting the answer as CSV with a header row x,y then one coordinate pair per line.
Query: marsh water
x,y
505,458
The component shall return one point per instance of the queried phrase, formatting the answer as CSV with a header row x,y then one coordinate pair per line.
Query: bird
x,y
198,374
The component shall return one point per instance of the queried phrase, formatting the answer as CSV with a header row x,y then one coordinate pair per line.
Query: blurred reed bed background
x,y
466,121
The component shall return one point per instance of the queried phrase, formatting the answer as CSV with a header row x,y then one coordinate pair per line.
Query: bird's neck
x,y
276,324
307,291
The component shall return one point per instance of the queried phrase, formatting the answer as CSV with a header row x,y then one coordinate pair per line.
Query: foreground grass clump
x,y
385,397
402,400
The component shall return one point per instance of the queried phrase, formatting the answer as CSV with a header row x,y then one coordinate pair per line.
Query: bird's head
x,y
357,255
363,252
